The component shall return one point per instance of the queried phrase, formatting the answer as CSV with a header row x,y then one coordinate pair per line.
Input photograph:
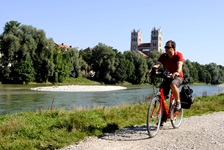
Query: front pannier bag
x,y
186,97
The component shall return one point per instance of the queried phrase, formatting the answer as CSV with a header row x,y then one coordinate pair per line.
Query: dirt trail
x,y
198,133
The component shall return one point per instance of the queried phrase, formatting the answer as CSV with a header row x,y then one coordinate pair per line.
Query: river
x,y
19,98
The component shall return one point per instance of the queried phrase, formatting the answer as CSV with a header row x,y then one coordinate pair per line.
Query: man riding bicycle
x,y
171,60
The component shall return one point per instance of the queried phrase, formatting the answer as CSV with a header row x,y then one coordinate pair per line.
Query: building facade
x,y
154,44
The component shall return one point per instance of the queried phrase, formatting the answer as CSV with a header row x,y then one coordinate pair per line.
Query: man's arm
x,y
179,66
179,69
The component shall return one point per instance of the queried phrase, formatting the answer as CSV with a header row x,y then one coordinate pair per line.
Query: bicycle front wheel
x,y
154,116
176,116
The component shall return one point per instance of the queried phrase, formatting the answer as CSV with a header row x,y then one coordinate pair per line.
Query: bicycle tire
x,y
176,116
154,117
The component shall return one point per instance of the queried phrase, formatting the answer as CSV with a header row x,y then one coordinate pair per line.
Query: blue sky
x,y
197,26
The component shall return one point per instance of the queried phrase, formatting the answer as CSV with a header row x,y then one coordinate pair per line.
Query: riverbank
x,y
79,88
221,85
42,129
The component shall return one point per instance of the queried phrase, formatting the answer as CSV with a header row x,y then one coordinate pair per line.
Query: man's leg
x,y
175,90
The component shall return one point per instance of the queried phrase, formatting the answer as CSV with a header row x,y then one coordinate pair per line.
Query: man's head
x,y
170,44
170,47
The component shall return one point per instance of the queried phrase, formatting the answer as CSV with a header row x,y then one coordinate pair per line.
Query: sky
x,y
197,26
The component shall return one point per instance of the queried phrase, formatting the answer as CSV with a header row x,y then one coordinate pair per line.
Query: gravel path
x,y
198,133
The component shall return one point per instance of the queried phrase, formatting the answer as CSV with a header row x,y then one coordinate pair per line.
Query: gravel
x,y
197,133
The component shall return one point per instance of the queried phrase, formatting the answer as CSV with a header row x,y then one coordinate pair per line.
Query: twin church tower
x,y
155,42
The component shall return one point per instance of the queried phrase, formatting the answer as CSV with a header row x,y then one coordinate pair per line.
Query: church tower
x,y
136,39
156,40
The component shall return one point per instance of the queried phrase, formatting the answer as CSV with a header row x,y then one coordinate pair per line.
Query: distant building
x,y
139,46
63,46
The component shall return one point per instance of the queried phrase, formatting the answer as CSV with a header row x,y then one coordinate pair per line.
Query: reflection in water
x,y
17,98
12,103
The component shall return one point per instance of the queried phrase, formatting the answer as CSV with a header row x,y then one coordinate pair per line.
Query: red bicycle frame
x,y
164,105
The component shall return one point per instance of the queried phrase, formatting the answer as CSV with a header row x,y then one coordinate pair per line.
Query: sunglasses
x,y
167,47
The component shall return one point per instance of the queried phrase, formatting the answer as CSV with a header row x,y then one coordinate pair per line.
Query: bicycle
x,y
158,106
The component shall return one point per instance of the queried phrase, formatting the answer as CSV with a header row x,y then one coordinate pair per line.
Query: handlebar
x,y
160,73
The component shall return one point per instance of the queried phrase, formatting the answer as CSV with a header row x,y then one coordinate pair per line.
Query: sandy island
x,y
79,88
221,85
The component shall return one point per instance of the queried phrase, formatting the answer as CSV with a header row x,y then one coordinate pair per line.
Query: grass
x,y
80,80
77,81
53,129
69,80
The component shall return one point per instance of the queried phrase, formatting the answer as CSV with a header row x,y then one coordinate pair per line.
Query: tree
x,y
75,61
153,57
103,60
85,62
120,73
63,62
84,68
187,75
194,71
137,75
214,71
130,70
25,50
221,74
11,26
10,44
42,56
24,73
16,61
203,74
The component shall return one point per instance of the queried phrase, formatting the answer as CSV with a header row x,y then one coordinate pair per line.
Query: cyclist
x,y
171,60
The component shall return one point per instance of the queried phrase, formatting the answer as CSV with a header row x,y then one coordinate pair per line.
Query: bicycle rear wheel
x,y
154,117
176,116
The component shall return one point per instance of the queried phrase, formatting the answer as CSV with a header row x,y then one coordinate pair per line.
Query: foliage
x,y
138,67
103,60
25,53
120,74
28,56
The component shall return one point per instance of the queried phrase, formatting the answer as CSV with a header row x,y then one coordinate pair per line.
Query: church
x,y
143,48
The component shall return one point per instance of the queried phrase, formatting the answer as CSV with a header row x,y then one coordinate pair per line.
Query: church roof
x,y
143,54
62,45
141,45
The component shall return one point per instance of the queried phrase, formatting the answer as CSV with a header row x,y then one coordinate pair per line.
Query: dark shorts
x,y
166,84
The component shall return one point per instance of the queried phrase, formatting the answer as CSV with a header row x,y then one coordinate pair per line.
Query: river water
x,y
19,98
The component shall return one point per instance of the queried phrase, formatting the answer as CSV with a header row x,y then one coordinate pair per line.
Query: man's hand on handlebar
x,y
149,72
175,74
154,66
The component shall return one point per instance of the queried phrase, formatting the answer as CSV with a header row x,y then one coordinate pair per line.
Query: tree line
x,y
28,56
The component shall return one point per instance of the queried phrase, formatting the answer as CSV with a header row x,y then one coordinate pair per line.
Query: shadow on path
x,y
134,133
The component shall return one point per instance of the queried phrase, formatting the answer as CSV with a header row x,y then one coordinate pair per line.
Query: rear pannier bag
x,y
186,97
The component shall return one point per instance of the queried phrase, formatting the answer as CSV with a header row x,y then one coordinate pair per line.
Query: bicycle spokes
x,y
176,117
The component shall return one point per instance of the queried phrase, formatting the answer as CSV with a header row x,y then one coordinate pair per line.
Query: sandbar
x,y
79,88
